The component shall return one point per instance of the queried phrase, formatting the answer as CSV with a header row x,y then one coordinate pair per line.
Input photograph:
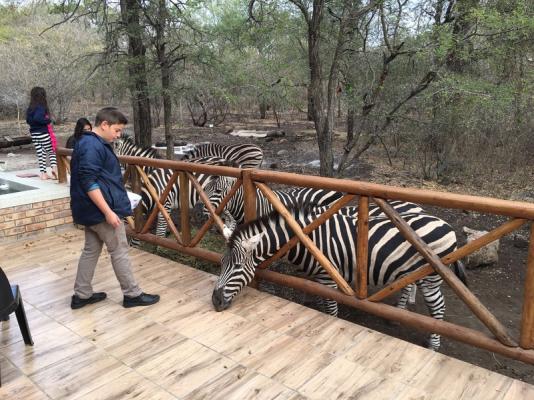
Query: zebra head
x,y
237,268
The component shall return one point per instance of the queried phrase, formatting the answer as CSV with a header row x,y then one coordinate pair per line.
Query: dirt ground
x,y
499,287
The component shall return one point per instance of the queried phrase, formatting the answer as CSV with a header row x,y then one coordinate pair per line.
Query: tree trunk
x,y
263,109
310,104
459,57
351,115
163,61
138,83
321,106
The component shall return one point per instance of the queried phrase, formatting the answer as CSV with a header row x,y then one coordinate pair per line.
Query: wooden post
x,y
249,196
360,275
249,205
305,240
62,168
527,321
131,172
184,209
459,288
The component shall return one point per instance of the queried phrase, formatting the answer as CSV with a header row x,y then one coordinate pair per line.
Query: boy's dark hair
x,y
38,98
111,115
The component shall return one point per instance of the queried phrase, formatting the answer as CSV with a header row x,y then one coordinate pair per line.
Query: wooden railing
x,y
356,296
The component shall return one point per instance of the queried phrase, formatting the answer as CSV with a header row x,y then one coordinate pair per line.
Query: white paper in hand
x,y
134,199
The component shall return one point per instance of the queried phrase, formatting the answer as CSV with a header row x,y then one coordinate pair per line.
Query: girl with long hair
x,y
82,125
38,118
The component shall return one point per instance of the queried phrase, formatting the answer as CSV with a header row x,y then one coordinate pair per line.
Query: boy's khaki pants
x,y
117,245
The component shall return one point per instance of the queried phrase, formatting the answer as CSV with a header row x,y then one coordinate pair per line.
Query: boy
x,y
99,202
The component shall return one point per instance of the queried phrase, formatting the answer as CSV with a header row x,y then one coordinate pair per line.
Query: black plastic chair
x,y
11,300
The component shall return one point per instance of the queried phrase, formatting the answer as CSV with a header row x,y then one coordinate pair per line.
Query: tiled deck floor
x,y
263,347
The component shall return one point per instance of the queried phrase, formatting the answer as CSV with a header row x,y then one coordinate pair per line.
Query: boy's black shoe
x,y
76,302
143,299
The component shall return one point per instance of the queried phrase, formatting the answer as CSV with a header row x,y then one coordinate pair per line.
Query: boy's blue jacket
x,y
95,165
37,119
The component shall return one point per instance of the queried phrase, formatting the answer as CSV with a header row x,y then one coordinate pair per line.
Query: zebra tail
x,y
459,271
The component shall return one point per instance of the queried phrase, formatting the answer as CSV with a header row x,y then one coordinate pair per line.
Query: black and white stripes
x,y
244,155
390,255
219,186
43,147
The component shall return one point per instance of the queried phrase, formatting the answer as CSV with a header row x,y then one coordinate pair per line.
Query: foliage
x,y
60,60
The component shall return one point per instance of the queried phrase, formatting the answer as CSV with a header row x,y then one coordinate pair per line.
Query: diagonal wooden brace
x,y
306,241
162,209
204,197
420,273
459,288
307,230
162,199
218,211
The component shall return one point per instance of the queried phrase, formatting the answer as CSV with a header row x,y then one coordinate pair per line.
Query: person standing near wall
x,y
38,118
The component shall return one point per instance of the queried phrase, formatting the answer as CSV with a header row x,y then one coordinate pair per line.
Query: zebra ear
x,y
251,243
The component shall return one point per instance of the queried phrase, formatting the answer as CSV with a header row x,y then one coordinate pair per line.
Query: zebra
x,y
125,146
246,155
391,256
219,186
159,177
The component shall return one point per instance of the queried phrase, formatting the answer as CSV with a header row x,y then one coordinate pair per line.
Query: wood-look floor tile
x,y
287,360
240,383
50,346
16,385
343,379
185,367
326,333
130,386
446,378
78,375
389,356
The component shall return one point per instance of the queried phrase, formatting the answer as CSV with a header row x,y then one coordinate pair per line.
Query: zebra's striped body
x,y
125,146
159,177
245,155
390,255
219,186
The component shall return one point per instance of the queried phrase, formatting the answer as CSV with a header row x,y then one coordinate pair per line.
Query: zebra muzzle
x,y
218,301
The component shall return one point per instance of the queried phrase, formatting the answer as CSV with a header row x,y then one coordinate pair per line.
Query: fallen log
x,y
9,141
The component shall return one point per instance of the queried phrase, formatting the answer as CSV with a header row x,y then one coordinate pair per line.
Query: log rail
x,y
356,296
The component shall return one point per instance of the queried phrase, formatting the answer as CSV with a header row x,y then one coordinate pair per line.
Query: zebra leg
x,y
134,242
161,227
407,296
413,293
431,289
326,305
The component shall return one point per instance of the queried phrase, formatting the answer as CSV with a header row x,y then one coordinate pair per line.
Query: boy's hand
x,y
113,219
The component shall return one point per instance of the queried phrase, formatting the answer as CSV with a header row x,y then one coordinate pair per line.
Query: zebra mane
x,y
294,209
